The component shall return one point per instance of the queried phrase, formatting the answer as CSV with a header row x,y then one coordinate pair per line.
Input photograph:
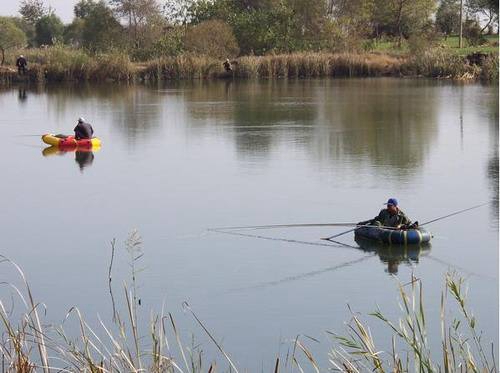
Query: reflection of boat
x,y
84,157
393,255
54,150
393,236
69,142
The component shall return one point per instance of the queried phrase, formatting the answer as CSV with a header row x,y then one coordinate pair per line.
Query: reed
x,y
439,64
60,63
489,70
27,344
461,347
185,66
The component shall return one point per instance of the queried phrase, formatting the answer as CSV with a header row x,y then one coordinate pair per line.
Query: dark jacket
x,y
384,218
83,131
21,62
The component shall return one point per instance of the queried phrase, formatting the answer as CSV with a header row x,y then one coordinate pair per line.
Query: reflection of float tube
x,y
53,150
393,252
49,151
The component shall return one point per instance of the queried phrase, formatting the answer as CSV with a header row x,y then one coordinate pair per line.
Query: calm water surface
x,y
181,158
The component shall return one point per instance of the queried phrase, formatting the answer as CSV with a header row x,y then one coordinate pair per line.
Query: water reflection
x,y
492,167
393,255
21,95
133,110
257,115
83,157
332,119
389,123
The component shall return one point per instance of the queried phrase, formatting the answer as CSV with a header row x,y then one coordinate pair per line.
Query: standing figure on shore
x,y
391,216
227,65
21,64
83,130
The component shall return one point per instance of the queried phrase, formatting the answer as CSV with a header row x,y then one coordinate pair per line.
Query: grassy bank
x,y
63,64
27,344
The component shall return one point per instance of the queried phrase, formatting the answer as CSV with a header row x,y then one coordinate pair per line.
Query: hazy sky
x,y
63,8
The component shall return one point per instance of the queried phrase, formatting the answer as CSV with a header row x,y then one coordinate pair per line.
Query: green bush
x,y
472,32
212,38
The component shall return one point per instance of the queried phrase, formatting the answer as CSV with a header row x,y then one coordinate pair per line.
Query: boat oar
x,y
455,213
342,233
359,226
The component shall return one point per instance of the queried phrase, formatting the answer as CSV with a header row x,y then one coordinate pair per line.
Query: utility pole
x,y
461,24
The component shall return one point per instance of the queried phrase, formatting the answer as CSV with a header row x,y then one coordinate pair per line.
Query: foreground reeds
x,y
27,345
61,63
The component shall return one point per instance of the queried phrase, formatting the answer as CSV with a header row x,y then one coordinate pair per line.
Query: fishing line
x,y
303,275
339,244
470,273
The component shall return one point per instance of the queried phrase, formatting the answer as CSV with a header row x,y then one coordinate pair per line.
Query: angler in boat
x,y
391,216
82,139
83,130
392,226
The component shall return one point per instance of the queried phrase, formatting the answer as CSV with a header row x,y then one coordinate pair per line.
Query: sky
x,y
63,8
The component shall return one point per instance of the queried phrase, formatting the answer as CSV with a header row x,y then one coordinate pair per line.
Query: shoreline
x,y
62,65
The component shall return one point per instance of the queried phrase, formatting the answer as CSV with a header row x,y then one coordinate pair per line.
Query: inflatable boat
x,y
393,236
69,142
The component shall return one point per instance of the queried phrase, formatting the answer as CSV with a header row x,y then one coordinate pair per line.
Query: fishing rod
x,y
425,223
455,213
288,226
356,227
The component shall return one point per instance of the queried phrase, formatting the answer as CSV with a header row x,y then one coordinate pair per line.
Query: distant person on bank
x,y
83,130
227,65
21,64
391,216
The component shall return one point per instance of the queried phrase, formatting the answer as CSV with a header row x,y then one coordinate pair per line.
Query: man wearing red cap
x,y
391,216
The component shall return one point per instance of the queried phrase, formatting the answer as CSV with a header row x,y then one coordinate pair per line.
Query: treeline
x,y
148,29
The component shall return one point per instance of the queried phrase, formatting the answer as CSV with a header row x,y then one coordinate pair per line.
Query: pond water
x,y
180,158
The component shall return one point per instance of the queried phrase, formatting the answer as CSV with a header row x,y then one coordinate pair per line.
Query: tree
x,y
263,26
73,33
49,29
448,16
98,27
11,36
484,8
142,17
403,18
352,21
213,38
309,19
32,10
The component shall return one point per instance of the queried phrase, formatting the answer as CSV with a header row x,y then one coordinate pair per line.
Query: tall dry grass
x,y
28,345
61,63
439,64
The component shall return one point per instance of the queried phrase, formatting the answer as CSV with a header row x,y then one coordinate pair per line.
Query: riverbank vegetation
x,y
176,39
27,344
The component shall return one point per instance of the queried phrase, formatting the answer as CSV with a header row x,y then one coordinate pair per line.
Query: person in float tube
x,y
391,216
83,130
